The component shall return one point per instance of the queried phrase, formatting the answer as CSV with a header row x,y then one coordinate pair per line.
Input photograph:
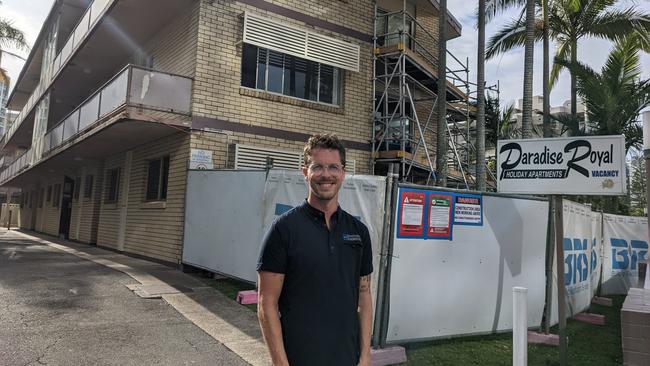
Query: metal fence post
x,y
383,285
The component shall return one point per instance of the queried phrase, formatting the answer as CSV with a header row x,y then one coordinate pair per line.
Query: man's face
x,y
324,174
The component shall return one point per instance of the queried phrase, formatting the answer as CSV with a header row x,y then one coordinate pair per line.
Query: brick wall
x,y
109,213
155,229
85,210
218,94
174,48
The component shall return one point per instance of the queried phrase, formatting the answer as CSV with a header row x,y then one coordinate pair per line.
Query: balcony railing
x,y
20,164
85,25
133,86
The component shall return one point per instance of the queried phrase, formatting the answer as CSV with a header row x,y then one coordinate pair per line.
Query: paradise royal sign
x,y
586,165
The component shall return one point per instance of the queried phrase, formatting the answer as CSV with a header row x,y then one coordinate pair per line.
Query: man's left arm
x,y
365,319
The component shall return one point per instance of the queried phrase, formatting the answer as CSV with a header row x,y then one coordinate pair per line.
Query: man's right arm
x,y
269,289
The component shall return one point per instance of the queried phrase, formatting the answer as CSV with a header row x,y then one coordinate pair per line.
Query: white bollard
x,y
519,327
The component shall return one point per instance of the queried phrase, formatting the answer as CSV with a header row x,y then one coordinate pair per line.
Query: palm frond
x,y
495,7
10,36
511,35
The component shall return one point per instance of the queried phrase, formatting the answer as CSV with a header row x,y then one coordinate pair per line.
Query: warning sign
x,y
411,209
201,159
439,226
468,209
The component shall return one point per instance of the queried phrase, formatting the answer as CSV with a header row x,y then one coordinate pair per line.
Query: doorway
x,y
66,207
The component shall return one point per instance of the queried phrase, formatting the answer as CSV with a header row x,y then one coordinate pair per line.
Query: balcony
x,y
134,94
101,40
134,86
84,27
15,168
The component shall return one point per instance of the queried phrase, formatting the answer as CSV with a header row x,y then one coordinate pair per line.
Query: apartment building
x,y
115,98
538,107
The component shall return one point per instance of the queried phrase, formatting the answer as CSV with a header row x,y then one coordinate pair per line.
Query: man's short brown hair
x,y
325,141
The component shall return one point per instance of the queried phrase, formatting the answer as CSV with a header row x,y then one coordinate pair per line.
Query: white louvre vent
x,y
252,157
276,36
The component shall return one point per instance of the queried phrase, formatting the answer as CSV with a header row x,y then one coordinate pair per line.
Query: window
x,y
41,197
77,187
57,195
88,186
157,174
279,73
32,197
49,193
113,180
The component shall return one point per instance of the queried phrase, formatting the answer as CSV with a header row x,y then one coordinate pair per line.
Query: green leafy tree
x,y
570,21
638,202
615,96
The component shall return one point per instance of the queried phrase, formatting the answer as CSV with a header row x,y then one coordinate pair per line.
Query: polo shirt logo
x,y
351,237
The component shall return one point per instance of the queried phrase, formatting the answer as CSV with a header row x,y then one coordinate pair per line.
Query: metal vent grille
x,y
252,157
276,36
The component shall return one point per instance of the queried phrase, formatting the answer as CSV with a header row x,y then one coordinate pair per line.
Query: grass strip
x,y
589,345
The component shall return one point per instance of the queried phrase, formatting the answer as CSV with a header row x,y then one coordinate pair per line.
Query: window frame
x,y
77,189
88,186
163,179
338,77
56,195
49,194
110,189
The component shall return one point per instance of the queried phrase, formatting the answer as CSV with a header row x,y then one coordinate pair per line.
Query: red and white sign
x,y
411,213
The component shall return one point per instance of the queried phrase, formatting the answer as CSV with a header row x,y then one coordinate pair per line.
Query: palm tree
x,y
615,96
500,123
569,21
10,36
529,46
480,88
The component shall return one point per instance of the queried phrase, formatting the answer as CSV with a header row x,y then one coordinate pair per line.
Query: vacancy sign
x,y
586,165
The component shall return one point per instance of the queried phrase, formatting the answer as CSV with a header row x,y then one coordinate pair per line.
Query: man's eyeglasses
x,y
320,169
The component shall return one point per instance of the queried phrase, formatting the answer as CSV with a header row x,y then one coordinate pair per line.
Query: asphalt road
x,y
58,309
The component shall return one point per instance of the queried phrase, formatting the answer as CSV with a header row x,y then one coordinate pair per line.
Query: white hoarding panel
x,y
578,264
577,165
596,250
625,244
441,288
223,221
227,213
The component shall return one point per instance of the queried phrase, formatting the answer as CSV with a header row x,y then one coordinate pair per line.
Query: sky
x,y
506,68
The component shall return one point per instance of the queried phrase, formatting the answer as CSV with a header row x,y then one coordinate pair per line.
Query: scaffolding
x,y
404,89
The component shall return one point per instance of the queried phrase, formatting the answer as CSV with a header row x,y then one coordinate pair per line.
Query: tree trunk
x,y
574,86
548,131
480,86
527,113
441,140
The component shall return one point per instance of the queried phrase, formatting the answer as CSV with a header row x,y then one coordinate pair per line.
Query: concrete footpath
x,y
65,303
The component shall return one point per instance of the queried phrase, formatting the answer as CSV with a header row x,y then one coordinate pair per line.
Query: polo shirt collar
x,y
316,213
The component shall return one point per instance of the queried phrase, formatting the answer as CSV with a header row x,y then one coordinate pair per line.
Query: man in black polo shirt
x,y
315,306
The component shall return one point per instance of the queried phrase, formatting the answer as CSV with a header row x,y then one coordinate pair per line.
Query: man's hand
x,y
365,320
365,360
